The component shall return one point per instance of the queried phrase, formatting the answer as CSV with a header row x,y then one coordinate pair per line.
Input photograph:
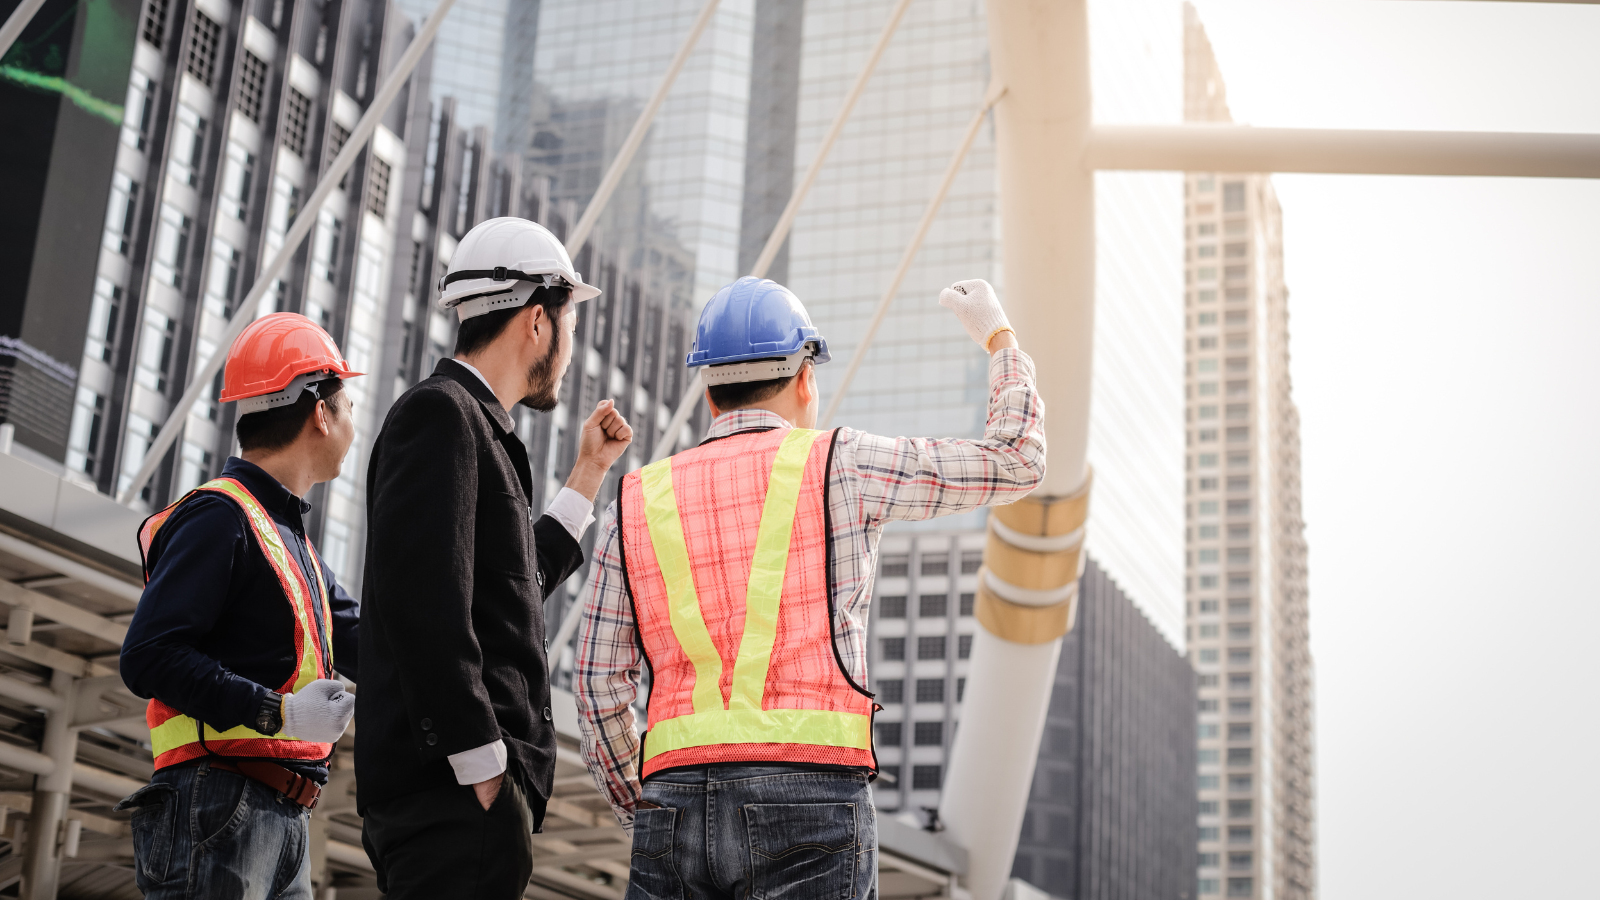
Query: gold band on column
x,y
1033,569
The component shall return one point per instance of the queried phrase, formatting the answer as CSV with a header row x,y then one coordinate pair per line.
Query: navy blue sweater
x,y
214,632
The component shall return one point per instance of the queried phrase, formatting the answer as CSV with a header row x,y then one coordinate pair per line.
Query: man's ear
x,y
806,385
537,323
322,418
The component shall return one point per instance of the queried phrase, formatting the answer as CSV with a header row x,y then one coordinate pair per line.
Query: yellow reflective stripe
x,y
278,556
683,604
767,567
818,727
180,730
327,620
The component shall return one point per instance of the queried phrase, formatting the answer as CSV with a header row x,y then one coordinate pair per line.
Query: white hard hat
x,y
500,262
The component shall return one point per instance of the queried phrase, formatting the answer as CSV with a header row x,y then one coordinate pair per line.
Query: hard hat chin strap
x,y
290,394
759,369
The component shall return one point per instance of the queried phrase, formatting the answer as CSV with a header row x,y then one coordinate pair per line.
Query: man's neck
x,y
506,380
757,407
291,469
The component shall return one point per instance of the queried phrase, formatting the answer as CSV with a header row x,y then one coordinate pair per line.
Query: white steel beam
x,y
201,380
1242,148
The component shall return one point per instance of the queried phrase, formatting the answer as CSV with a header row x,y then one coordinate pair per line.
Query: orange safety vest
x,y
726,552
177,738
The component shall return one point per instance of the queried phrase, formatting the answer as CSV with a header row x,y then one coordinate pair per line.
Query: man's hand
x,y
978,309
605,435
488,790
319,711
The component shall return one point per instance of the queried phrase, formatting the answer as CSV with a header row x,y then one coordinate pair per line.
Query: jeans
x,y
204,834
764,832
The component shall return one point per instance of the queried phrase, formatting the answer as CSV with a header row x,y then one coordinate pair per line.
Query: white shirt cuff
x,y
479,763
573,512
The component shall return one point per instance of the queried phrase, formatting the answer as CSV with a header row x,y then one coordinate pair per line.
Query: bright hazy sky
x,y
1445,336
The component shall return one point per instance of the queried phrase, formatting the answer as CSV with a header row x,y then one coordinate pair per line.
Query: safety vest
x,y
177,738
726,552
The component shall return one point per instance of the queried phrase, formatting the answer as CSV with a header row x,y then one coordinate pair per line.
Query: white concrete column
x,y
1040,51
42,871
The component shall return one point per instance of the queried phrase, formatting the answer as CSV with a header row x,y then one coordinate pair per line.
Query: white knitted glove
x,y
319,712
976,305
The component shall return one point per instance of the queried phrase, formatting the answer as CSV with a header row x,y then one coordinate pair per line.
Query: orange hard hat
x,y
275,358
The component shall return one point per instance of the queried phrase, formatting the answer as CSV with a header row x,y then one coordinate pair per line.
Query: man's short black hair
x,y
275,429
479,332
749,393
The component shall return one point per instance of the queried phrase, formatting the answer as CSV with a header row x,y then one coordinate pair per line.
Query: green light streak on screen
x,y
111,112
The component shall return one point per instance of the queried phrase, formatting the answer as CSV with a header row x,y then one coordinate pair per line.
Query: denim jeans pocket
x,y
218,805
155,814
802,850
654,872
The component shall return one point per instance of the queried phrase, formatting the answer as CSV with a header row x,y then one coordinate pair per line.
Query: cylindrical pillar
x,y
1039,50
51,792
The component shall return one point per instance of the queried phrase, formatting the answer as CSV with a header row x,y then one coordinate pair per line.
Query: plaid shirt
x,y
874,480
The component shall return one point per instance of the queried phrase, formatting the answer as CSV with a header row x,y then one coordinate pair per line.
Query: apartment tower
x,y
1246,558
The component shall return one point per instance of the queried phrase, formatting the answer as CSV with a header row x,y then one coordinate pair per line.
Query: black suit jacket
x,y
452,618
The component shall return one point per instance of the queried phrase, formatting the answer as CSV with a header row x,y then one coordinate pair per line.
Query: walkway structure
x,y
72,574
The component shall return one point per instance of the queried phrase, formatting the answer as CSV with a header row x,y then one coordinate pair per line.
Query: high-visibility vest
x,y
177,738
726,552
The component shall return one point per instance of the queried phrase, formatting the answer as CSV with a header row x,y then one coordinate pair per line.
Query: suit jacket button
x,y
433,739
427,724
547,713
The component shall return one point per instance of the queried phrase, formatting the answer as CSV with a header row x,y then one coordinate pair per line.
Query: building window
x,y
337,136
926,778
1208,507
172,246
1237,580
894,566
1208,807
1207,318
1206,757
1208,296
1206,365
1206,783
1238,681
930,690
1238,706
1233,196
1239,632
1208,532
889,734
1241,887
1207,273
1206,731
1208,435
1238,342
1208,631
203,41
188,147
1239,656
964,646
252,86
928,734
1238,389
892,690
1239,756
935,564
103,309
237,172
1208,705
1207,343
88,416
325,248
121,214
1238,606
1238,554
966,604
223,280
892,607
1208,555
894,649
931,647
1208,389
1237,411
1208,886
1239,731
1208,412
971,561
933,606
194,466
1208,655
378,187
961,686
296,122
1238,507
1206,250
1208,581
137,111
1208,606
1239,364
1239,784
1238,434
155,352
155,22
1238,532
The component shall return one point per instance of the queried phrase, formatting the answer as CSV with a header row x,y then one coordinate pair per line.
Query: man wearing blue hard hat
x,y
740,572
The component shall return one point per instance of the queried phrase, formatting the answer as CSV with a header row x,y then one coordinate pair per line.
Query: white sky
x,y
1444,336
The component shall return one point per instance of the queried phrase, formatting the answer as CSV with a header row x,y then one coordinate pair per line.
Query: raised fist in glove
x,y
318,712
976,305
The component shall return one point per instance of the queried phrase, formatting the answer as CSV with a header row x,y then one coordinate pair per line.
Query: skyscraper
x,y
1246,562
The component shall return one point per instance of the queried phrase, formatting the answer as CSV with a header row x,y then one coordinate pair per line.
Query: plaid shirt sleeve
x,y
904,478
605,677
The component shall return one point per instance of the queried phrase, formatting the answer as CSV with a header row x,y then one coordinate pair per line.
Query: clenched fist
x,y
605,435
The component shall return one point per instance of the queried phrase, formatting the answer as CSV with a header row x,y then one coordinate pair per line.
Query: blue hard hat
x,y
754,318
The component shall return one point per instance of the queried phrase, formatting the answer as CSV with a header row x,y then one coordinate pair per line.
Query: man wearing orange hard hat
x,y
235,639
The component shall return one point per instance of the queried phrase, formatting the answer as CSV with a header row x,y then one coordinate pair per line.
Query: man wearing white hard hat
x,y
457,747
